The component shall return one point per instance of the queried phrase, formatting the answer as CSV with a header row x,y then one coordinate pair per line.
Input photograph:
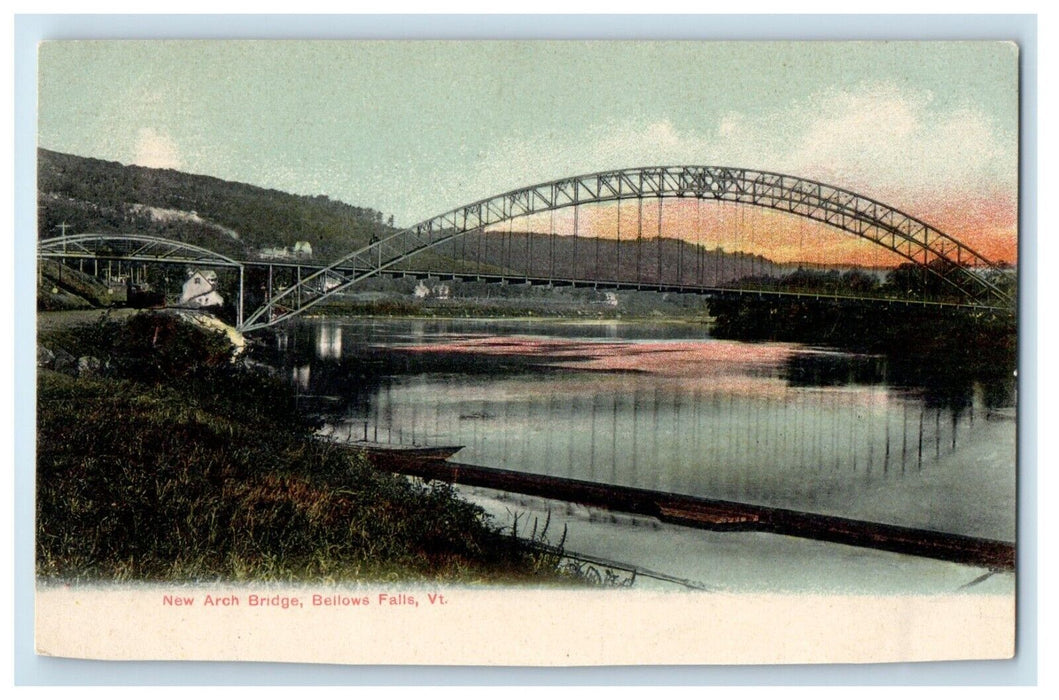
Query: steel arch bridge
x,y
961,267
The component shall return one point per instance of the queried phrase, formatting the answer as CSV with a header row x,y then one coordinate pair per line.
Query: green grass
x,y
176,465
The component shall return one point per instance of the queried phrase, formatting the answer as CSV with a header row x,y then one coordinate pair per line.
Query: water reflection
x,y
300,375
665,407
734,441
328,341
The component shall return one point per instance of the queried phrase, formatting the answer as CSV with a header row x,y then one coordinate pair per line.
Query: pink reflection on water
x,y
707,367
671,359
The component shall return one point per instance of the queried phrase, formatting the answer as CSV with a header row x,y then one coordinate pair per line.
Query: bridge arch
x,y
913,239
140,248
135,247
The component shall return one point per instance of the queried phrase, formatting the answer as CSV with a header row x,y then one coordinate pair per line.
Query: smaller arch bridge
x,y
133,247
139,248
959,266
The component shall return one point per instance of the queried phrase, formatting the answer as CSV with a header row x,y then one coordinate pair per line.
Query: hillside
x,y
92,195
668,260
61,287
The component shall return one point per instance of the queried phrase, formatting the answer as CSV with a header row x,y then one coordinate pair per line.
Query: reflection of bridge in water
x,y
472,243
770,424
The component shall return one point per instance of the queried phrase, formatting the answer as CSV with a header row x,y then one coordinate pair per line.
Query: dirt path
x,y
54,320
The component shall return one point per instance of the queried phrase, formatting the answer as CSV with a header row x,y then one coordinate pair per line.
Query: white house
x,y
422,291
301,249
273,253
200,289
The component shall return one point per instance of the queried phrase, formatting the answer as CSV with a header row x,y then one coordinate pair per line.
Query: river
x,y
665,406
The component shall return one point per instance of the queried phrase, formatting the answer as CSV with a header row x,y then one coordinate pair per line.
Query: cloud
x,y
894,145
951,166
156,149
879,138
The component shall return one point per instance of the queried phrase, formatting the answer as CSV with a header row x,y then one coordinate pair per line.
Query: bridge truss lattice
x,y
957,264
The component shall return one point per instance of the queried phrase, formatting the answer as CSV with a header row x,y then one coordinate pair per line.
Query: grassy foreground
x,y
171,462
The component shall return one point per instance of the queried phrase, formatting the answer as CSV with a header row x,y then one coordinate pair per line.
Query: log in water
x,y
709,513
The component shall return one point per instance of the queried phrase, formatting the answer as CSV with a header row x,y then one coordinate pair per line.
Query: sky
x,y
417,128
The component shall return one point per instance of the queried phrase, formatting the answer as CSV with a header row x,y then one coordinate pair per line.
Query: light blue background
x,y
29,29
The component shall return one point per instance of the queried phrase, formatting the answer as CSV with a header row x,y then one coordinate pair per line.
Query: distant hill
x,y
666,260
92,195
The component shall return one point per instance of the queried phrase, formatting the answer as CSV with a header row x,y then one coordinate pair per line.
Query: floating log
x,y
709,513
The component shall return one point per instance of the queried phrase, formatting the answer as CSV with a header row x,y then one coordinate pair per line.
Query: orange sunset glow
x,y
987,225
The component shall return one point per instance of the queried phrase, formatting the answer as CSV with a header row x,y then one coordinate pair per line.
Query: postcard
x,y
527,353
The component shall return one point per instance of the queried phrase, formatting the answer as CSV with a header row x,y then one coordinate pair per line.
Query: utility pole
x,y
62,227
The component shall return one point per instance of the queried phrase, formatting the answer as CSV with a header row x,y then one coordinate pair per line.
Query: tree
x,y
928,281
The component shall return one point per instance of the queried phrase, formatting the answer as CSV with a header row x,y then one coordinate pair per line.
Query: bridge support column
x,y
239,308
271,309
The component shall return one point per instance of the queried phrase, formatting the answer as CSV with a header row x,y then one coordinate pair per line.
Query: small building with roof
x,y
200,290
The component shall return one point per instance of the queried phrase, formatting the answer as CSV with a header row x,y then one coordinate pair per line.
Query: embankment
x,y
159,458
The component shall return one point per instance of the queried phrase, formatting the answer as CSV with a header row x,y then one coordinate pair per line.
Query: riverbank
x,y
161,459
927,345
48,321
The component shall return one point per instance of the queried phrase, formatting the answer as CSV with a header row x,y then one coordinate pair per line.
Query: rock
x,y
88,366
45,357
64,362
